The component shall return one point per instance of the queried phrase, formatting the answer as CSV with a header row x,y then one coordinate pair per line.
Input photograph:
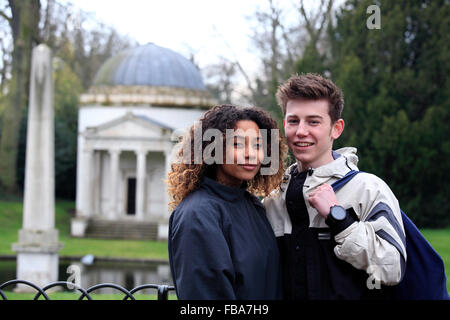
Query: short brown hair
x,y
312,86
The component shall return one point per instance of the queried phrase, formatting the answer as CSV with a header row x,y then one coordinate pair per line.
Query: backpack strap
x,y
424,276
342,181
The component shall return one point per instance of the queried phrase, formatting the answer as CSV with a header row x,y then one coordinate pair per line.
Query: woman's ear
x,y
337,129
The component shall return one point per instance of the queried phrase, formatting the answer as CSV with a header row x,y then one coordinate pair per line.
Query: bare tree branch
x,y
4,16
309,27
326,16
236,61
322,13
290,55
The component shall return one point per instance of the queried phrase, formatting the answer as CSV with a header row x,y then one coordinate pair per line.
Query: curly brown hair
x,y
185,178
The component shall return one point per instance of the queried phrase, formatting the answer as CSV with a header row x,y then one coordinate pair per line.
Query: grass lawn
x,y
11,222
440,240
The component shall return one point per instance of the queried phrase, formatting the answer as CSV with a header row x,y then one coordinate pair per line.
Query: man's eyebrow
x,y
314,117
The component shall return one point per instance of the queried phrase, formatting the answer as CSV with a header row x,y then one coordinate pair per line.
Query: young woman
x,y
221,245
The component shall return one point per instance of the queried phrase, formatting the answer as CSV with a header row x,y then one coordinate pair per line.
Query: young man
x,y
348,245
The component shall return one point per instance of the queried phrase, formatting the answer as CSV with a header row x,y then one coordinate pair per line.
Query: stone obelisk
x,y
38,246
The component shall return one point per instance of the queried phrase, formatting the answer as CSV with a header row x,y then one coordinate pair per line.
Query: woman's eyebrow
x,y
253,138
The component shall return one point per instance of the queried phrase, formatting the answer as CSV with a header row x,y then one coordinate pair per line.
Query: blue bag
x,y
424,277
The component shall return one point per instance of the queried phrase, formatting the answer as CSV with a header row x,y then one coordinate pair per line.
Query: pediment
x,y
129,126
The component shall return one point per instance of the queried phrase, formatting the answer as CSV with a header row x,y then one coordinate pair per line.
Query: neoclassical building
x,y
139,101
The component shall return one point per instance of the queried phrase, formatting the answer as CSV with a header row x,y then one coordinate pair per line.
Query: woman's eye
x,y
257,146
238,145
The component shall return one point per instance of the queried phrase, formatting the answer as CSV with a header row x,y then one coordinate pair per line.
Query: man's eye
x,y
238,145
314,122
292,121
257,146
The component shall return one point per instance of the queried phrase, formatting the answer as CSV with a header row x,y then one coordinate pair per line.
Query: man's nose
x,y
301,130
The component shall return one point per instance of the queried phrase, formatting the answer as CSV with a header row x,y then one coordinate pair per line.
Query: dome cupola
x,y
149,75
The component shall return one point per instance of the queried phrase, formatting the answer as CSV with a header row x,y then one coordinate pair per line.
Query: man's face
x,y
310,133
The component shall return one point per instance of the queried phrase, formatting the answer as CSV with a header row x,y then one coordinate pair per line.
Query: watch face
x,y
338,213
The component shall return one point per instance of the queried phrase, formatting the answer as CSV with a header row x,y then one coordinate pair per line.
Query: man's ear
x,y
337,129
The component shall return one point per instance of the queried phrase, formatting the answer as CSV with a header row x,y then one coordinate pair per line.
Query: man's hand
x,y
322,199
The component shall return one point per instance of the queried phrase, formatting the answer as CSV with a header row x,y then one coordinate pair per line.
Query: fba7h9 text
x,y
228,309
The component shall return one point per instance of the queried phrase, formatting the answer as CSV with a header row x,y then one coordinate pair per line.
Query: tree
x,y
396,89
23,21
220,80
83,51
287,48
68,89
314,56
271,39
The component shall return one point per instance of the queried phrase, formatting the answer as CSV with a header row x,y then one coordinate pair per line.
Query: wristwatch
x,y
337,213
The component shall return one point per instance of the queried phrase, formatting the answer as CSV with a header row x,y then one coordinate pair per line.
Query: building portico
x,y
121,171
139,100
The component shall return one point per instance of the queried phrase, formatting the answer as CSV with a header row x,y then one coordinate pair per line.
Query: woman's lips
x,y
248,167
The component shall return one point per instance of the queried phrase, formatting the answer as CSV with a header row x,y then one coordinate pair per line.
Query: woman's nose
x,y
251,152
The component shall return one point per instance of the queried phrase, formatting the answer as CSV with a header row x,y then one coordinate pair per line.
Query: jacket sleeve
x,y
199,255
375,240
277,215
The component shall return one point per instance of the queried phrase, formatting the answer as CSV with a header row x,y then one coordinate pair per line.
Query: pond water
x,y
126,274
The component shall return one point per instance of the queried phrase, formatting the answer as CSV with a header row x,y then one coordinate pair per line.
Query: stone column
x,y
140,183
38,246
78,224
88,156
163,226
97,182
114,182
168,163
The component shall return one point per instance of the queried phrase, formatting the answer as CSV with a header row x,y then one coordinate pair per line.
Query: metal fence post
x,y
163,291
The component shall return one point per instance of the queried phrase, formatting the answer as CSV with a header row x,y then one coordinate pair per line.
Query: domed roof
x,y
149,65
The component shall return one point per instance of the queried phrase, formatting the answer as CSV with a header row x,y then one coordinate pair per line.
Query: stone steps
x,y
122,230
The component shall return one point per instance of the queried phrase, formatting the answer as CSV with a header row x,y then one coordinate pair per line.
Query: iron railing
x,y
162,290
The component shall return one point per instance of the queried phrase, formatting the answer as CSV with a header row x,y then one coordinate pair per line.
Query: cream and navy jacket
x,y
375,241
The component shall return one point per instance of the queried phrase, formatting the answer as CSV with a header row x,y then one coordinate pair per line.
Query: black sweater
x,y
221,246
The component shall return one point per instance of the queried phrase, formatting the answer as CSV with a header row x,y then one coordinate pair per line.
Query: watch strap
x,y
338,226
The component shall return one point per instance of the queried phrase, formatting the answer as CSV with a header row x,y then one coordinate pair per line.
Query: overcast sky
x,y
206,28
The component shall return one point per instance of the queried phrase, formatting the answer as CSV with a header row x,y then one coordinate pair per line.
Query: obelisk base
x,y
37,258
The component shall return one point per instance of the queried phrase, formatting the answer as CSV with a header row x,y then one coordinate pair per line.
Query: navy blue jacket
x,y
221,246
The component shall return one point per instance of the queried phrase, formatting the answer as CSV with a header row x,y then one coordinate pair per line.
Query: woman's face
x,y
243,154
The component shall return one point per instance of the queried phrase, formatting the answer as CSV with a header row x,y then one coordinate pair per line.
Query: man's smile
x,y
303,145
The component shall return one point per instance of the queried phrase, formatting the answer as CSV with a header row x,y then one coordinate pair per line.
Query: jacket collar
x,y
224,192
345,159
